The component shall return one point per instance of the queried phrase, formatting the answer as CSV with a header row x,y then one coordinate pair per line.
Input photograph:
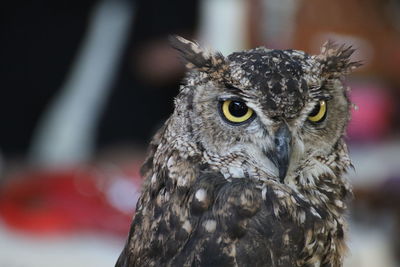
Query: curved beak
x,y
280,157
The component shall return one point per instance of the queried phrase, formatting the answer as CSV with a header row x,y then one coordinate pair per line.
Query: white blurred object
x,y
374,162
279,21
17,250
123,194
369,247
222,24
65,133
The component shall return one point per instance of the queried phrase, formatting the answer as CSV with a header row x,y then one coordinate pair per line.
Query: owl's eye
x,y
236,111
318,114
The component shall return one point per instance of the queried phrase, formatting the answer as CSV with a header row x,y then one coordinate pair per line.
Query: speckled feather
x,y
211,195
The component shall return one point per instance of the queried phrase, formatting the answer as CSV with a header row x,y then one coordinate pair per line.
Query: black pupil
x,y
238,109
315,111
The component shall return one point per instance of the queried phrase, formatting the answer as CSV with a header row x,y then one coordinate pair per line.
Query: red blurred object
x,y
53,202
371,121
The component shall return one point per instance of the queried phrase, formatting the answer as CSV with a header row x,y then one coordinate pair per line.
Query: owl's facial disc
x,y
281,155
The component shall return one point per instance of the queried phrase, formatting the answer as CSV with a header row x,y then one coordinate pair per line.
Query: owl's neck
x,y
321,180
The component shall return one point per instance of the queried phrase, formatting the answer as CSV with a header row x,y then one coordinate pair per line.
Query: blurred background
x,y
84,85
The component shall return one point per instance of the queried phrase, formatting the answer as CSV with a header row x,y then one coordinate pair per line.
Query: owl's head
x,y
264,112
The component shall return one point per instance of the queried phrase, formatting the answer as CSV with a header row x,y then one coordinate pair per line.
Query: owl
x,y
249,170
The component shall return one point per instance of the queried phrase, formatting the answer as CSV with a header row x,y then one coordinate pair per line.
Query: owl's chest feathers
x,y
314,205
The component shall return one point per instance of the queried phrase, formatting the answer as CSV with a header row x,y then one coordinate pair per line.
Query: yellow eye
x,y
236,111
318,114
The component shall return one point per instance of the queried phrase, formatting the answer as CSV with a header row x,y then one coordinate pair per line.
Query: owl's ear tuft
x,y
197,57
336,59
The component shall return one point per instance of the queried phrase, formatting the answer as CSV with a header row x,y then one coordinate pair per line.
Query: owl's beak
x,y
283,139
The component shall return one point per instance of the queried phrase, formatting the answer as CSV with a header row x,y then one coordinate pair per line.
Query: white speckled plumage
x,y
270,191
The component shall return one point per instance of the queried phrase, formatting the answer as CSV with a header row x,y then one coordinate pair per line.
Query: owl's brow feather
x,y
240,93
236,93
322,96
233,97
318,93
232,88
